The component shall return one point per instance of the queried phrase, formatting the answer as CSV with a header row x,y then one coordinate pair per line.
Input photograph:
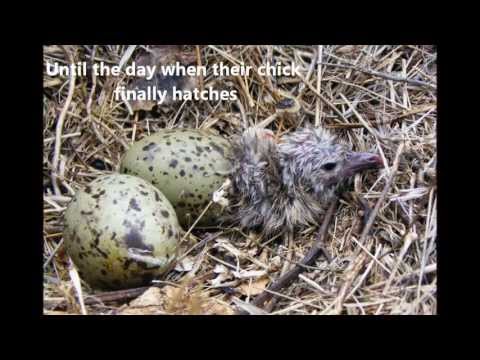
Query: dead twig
x,y
309,259
59,127
384,75
363,255
386,122
383,195
110,296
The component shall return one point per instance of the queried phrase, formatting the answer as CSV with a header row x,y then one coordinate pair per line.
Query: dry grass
x,y
360,92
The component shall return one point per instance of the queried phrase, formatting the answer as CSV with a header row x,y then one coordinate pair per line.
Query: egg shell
x,y
112,217
187,165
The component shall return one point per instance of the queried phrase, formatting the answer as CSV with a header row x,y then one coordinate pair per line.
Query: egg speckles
x,y
186,165
114,223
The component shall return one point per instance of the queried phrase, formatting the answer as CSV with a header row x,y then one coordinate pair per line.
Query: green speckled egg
x,y
186,165
113,225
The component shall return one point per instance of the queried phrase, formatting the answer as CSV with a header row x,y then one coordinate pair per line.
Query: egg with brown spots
x,y
187,165
121,232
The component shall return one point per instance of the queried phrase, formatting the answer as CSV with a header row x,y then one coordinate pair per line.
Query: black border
x,y
31,160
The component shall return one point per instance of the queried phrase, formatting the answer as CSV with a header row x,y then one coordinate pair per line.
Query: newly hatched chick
x,y
287,185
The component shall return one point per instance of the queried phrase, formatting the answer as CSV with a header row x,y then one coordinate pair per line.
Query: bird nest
x,y
379,253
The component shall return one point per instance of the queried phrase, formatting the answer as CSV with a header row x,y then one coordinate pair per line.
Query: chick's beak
x,y
359,161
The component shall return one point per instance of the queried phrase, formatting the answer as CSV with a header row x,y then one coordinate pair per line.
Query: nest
x,y
377,98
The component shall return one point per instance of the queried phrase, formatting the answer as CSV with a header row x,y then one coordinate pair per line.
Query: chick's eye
x,y
329,166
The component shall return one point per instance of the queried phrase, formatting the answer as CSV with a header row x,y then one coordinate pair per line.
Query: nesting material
x,y
372,98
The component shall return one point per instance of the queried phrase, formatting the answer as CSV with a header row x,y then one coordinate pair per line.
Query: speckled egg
x,y
121,232
186,165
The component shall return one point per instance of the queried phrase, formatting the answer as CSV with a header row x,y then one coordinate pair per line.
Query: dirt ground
x,y
377,98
